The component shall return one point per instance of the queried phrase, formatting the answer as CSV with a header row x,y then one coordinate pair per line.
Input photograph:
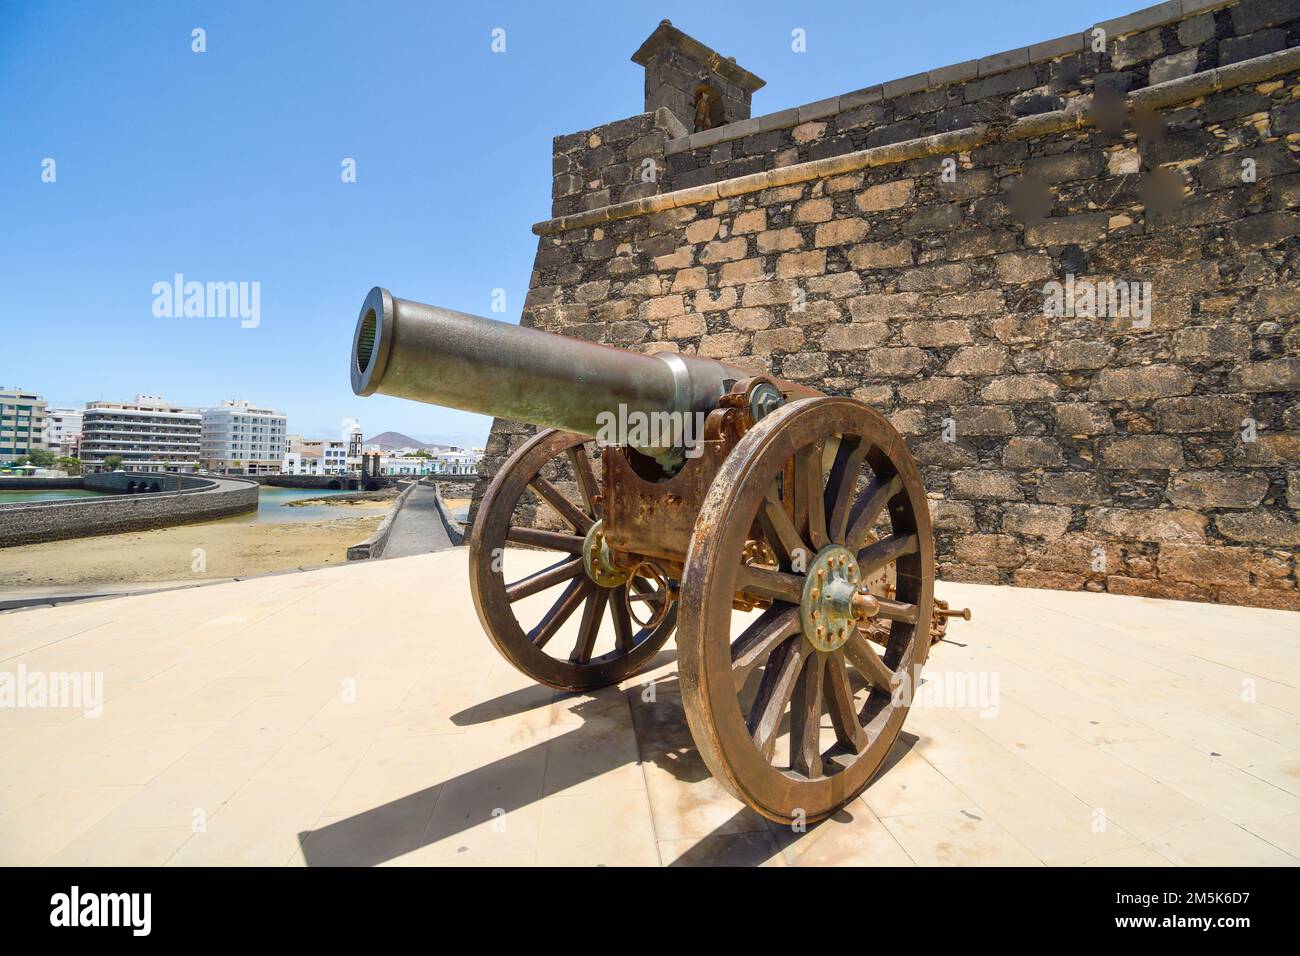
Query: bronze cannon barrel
x,y
429,354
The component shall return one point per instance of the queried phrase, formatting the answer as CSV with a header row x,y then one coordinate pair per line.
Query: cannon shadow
x,y
406,825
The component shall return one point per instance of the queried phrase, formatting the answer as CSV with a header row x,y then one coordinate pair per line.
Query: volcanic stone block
x,y
1038,521
1142,452
1135,384
985,484
1201,413
1156,525
1260,527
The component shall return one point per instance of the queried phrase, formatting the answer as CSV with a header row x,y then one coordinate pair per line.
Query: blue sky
x,y
225,166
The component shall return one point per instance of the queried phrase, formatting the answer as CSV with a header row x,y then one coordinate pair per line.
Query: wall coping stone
x,y
1144,19
1076,115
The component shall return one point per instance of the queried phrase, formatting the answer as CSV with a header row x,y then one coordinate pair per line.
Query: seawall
x,y
196,499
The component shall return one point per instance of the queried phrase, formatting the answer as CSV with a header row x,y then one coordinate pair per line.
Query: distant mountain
x,y
397,440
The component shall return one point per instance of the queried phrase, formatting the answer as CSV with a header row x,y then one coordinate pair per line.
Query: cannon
x,y
782,534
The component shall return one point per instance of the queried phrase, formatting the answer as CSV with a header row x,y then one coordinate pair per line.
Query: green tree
x,y
113,462
71,465
38,457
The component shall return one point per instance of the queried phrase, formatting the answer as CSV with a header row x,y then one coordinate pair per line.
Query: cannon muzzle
x,y
410,350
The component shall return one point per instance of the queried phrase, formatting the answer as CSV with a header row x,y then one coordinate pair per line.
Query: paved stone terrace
x,y
226,704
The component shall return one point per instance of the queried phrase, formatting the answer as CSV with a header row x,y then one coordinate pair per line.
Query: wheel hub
x,y
598,561
827,609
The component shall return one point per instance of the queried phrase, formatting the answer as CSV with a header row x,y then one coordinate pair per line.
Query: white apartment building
x,y
454,461
63,433
457,461
411,466
243,439
315,457
149,434
301,462
22,423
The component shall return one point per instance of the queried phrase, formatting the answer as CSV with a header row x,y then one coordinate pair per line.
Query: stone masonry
x,y
898,244
197,499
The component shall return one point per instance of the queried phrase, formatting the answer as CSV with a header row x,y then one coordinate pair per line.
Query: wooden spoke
x,y
749,677
840,704
546,578
586,476
777,585
551,540
560,612
806,718
510,621
841,485
590,626
624,638
869,664
758,640
566,508
866,510
779,530
810,492
876,556
774,692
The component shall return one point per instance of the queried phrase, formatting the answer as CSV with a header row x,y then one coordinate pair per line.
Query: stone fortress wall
x,y
897,243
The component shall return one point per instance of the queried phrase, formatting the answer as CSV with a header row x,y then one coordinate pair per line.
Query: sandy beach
x,y
213,549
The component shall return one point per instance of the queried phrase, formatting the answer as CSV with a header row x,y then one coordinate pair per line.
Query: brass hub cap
x,y
827,607
598,561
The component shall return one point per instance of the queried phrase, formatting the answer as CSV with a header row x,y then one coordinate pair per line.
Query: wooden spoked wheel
x,y
525,615
813,479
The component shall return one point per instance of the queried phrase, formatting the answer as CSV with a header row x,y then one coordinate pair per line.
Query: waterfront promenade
x,y
357,715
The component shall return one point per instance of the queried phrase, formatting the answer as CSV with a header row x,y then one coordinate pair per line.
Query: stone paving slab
x,y
357,715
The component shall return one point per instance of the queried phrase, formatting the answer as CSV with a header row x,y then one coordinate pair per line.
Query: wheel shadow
x,y
478,797
729,845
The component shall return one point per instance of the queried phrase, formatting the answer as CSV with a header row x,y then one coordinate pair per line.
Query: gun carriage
x,y
788,547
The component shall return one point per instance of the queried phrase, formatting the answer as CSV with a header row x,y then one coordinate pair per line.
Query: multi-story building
x,y
63,433
315,457
22,423
457,461
149,434
243,439
409,465
304,461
